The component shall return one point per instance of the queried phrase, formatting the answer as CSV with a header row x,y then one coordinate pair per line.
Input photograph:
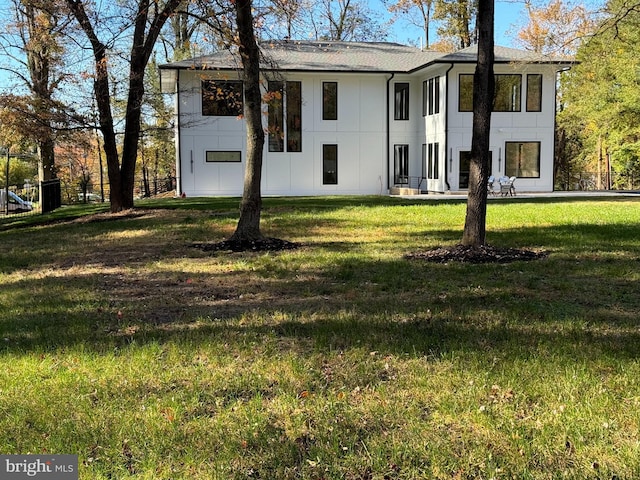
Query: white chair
x,y
490,183
507,186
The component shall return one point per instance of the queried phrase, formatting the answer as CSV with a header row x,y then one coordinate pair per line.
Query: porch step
x,y
404,191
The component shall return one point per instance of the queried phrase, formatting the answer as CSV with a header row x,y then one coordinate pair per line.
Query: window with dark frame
x,y
284,113
330,164
433,96
401,164
293,99
534,92
522,159
433,154
275,114
222,98
223,156
507,93
329,100
401,101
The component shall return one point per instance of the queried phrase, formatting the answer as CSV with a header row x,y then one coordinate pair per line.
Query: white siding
x,y
365,153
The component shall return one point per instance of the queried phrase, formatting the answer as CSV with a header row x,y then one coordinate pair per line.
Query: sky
x,y
509,14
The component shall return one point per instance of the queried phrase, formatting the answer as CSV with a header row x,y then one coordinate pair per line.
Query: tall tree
x,y
248,228
602,93
347,20
418,12
458,18
474,233
556,28
289,14
35,36
148,20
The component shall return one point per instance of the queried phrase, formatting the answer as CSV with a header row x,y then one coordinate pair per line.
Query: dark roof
x,y
365,57
503,55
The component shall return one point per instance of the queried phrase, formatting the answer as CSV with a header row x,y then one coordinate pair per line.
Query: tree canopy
x,y
602,92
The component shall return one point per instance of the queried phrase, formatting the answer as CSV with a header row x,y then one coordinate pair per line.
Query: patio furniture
x,y
507,187
490,189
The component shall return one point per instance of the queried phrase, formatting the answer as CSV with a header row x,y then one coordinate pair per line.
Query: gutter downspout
x,y
178,132
446,129
388,133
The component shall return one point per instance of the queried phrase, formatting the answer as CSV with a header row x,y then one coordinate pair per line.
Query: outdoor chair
x,y
490,183
507,186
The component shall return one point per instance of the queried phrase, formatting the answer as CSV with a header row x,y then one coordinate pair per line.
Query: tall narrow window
x,y
401,106
534,92
401,164
425,98
465,93
275,128
329,164
433,96
329,100
522,159
425,167
222,98
433,155
294,116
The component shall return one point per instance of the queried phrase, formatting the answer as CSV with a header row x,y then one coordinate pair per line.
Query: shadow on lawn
x,y
574,307
582,295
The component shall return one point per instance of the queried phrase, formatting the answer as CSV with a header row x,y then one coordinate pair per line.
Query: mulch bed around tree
x,y
266,244
481,254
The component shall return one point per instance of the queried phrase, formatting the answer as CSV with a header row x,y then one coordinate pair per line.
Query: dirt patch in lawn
x,y
266,244
474,254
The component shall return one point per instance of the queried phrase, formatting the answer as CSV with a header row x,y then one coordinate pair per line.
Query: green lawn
x,y
343,359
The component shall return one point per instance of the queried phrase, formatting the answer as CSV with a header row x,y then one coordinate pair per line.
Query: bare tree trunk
x,y
248,228
122,174
483,86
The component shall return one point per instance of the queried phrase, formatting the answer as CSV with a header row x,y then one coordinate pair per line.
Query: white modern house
x,y
361,118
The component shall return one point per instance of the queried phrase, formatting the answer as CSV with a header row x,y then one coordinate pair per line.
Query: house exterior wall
x,y
359,133
522,126
365,137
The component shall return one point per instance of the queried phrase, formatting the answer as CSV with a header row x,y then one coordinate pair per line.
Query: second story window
x,y
329,100
401,101
222,98
285,97
507,93
431,96
534,92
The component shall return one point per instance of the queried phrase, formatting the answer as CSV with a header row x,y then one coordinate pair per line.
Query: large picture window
x,y
222,98
329,164
401,164
507,93
522,159
329,100
401,101
534,92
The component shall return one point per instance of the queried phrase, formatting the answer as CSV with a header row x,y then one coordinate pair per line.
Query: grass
x,y
151,359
